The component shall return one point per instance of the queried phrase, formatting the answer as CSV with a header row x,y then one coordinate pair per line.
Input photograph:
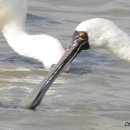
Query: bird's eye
x,y
83,36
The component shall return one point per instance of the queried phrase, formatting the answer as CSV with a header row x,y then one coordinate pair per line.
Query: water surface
x,y
95,95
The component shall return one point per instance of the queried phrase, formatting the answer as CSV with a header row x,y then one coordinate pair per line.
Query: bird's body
x,y
42,47
104,33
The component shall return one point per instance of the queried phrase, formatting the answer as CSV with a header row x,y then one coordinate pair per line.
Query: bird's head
x,y
88,34
82,38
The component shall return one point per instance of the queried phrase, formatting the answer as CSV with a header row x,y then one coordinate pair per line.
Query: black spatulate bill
x,y
79,43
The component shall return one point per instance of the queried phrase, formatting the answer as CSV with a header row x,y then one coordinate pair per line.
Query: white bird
x,y
103,33
93,33
43,47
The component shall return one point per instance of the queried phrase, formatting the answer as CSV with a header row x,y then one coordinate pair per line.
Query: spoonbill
x,y
93,33
44,48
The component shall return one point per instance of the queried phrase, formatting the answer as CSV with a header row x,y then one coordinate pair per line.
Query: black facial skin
x,y
85,44
79,43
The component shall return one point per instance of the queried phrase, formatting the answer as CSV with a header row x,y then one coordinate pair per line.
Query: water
x,y
95,95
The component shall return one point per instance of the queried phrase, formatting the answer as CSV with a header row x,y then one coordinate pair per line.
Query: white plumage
x,y
105,34
43,47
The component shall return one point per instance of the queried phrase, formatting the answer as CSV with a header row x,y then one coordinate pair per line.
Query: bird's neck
x,y
119,44
13,21
112,39
12,28
15,36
